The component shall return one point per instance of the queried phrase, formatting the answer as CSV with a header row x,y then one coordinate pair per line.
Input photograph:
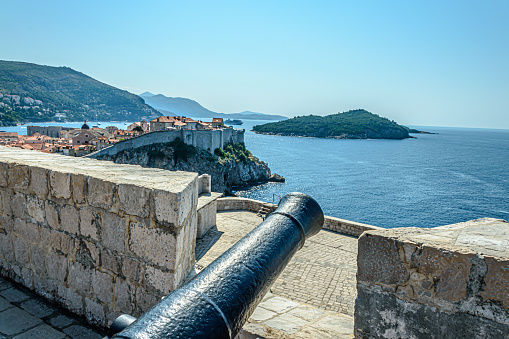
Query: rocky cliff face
x,y
225,173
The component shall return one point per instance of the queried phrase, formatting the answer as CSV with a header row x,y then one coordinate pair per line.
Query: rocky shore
x,y
226,172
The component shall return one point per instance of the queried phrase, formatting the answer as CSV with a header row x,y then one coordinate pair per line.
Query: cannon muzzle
x,y
218,301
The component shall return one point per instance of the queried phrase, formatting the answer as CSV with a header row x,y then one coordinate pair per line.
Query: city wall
x,y
98,238
207,140
445,282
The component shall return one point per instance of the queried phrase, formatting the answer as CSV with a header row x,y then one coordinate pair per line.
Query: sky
x,y
425,63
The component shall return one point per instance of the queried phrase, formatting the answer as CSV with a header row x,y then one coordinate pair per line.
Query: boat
x,y
233,122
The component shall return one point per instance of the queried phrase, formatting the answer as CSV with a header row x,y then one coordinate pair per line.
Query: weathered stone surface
x,y
35,208
19,177
94,312
19,204
21,252
145,301
6,247
70,299
27,231
102,285
378,260
60,184
161,281
113,232
3,174
132,270
6,225
90,222
6,201
79,277
123,294
78,188
153,244
39,181
100,193
382,315
52,215
134,200
497,281
69,219
57,266
110,261
165,208
38,259
450,271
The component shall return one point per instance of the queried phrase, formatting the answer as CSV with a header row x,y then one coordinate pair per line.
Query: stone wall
x,y
96,237
207,140
330,223
445,282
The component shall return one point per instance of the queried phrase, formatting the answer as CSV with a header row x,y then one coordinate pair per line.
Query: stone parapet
x,y
445,282
96,237
330,223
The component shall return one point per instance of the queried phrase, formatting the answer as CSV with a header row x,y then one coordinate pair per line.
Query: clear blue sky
x,y
434,63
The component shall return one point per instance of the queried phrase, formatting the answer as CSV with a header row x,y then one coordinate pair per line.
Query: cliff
x,y
355,124
234,167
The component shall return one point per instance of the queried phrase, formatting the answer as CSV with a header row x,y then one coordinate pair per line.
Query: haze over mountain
x,y
32,92
191,108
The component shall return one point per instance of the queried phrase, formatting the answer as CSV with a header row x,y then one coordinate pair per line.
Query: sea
x,y
455,175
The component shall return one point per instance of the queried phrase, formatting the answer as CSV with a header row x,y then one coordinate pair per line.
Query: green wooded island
x,y
353,124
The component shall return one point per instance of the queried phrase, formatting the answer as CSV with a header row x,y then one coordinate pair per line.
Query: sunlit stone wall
x,y
445,282
99,238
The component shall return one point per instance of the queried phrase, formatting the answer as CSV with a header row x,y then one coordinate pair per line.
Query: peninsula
x,y
354,124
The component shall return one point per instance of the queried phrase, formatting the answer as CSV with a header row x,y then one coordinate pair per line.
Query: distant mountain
x,y
354,124
190,108
53,92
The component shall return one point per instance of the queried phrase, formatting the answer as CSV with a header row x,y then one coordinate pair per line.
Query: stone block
x,y
79,277
161,281
52,215
134,200
87,253
39,182
61,242
90,222
6,247
70,299
6,202
19,177
378,261
110,262
78,188
69,219
113,232
60,184
94,312
4,168
450,270
165,208
154,244
21,251
100,193
27,231
145,301
19,204
102,286
15,321
57,266
35,208
38,259
496,281
123,296
132,270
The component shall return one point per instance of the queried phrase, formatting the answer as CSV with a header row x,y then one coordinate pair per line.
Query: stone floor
x,y
318,283
25,315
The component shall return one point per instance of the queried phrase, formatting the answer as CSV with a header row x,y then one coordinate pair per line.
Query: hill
x,y
354,124
191,108
33,93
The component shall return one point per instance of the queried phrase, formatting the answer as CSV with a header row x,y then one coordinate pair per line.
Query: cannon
x,y
217,302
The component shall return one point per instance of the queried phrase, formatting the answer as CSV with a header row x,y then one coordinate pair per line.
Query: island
x,y
353,124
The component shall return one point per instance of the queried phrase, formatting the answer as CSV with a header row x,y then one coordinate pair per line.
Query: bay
x,y
456,175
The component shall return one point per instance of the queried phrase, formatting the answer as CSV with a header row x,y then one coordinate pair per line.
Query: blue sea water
x,y
456,175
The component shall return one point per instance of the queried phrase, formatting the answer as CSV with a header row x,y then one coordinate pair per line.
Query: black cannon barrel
x,y
218,301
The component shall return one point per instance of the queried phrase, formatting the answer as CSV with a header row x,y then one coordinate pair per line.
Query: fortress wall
x,y
445,282
207,140
96,237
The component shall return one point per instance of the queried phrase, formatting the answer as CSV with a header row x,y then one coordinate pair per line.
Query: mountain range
x,y
187,107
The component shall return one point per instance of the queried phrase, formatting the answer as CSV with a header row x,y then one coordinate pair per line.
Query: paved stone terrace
x,y
320,277
24,315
